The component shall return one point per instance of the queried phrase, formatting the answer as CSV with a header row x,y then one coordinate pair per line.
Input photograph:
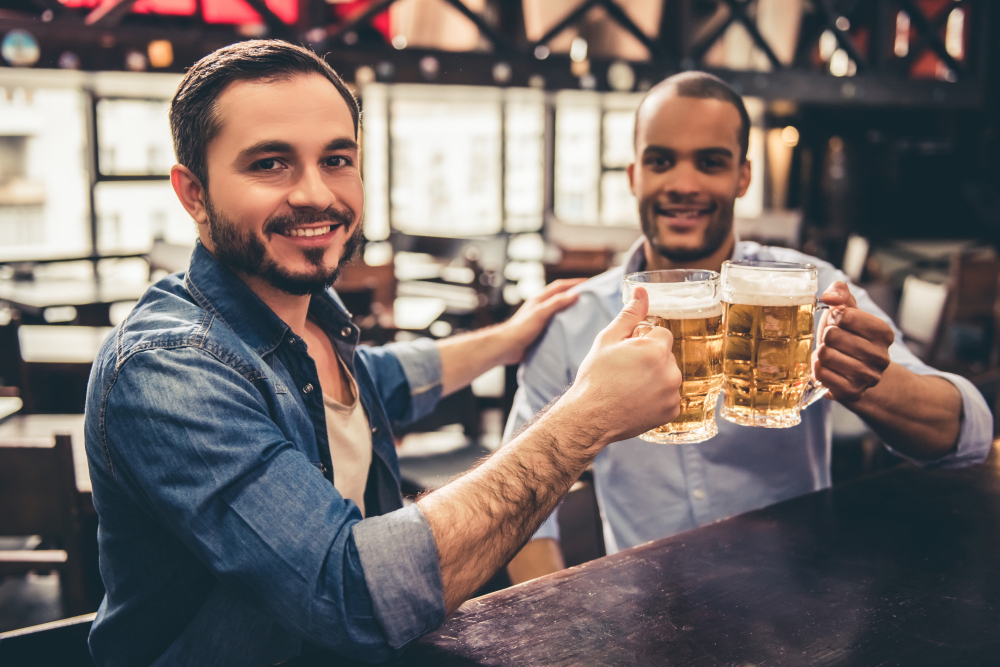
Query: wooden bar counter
x,y
901,568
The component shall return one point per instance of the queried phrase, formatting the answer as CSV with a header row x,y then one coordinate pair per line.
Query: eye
x,y
338,161
659,162
709,164
267,164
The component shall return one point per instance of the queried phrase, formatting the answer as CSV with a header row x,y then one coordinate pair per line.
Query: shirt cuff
x,y
421,363
976,435
400,561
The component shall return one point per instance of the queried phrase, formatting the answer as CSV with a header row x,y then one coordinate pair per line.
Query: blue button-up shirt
x,y
222,538
647,491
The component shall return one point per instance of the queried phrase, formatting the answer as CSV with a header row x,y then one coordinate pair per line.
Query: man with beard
x,y
691,137
239,440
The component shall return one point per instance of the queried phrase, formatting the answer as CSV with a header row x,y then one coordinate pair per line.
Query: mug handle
x,y
814,388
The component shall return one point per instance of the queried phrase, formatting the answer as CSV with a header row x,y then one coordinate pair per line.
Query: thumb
x,y
632,314
839,294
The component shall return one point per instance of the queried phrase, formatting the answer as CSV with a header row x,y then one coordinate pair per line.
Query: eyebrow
x,y
711,150
276,146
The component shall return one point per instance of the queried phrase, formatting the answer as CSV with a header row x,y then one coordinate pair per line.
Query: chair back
x,y
920,309
972,287
38,488
855,256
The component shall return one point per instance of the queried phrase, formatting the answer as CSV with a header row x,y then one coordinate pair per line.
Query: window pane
x,y
618,205
578,150
619,148
524,196
131,215
133,137
43,179
375,165
445,160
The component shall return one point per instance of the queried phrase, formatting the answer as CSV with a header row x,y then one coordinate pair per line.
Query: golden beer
x,y
768,346
687,303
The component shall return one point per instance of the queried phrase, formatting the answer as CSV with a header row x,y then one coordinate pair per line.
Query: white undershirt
x,y
350,443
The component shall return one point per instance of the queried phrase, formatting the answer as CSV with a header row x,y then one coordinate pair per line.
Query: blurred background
x,y
495,139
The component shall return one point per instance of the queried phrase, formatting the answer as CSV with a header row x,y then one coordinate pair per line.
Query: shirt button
x,y
293,340
306,389
345,332
699,494
374,430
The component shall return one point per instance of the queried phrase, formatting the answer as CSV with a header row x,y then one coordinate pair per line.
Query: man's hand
x,y
854,346
467,356
628,385
533,316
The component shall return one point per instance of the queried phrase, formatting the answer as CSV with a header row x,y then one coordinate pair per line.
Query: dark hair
x,y
194,118
705,86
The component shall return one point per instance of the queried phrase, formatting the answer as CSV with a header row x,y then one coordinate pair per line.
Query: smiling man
x,y
691,137
239,439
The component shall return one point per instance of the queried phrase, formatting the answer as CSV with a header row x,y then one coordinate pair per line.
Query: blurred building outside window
x,y
44,209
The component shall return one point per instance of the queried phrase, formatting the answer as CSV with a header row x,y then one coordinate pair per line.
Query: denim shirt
x,y
222,538
646,491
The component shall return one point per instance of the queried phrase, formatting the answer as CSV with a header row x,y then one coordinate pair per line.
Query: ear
x,y
188,189
630,170
744,180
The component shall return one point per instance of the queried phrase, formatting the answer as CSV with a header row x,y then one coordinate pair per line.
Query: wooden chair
x,y
972,298
39,496
55,363
58,643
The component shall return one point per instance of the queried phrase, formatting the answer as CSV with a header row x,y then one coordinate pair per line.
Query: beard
x,y
715,234
244,251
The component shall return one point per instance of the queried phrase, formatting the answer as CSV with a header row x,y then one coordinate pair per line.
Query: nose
x,y
684,182
311,191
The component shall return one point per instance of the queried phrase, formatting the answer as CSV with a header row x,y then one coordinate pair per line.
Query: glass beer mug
x,y
769,330
687,302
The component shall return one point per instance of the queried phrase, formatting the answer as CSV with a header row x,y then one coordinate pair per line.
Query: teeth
x,y
318,231
684,214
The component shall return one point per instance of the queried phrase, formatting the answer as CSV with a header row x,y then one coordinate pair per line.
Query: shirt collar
x,y
635,257
218,290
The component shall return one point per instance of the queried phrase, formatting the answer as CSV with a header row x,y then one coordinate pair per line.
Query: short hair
x,y
705,86
194,116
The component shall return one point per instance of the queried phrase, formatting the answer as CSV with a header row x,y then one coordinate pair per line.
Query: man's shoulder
x,y
599,302
166,317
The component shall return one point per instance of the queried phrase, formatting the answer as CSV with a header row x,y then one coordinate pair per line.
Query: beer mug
x,y
769,331
686,302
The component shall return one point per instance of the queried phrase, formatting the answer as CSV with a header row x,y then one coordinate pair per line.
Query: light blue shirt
x,y
647,491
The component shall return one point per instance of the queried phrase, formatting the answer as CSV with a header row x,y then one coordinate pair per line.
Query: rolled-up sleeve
x,y
401,566
407,377
223,478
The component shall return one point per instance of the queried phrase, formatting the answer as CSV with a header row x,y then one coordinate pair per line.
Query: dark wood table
x,y
901,568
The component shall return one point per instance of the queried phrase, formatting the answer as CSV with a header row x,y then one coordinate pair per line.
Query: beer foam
x,y
763,288
671,307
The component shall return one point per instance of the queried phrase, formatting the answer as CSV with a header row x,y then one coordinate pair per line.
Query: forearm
x,y
917,415
467,356
480,520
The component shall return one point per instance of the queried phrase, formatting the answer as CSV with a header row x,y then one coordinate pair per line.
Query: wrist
x,y
574,418
510,347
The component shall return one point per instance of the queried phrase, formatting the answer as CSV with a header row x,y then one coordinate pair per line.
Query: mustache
x,y
280,223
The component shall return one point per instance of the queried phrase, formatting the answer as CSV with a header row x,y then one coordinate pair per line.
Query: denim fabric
x,y
222,539
647,491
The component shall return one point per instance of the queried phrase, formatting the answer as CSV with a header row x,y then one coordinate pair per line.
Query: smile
x,y
684,214
308,231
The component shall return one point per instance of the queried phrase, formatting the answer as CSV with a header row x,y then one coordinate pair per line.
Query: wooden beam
x,y
109,13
